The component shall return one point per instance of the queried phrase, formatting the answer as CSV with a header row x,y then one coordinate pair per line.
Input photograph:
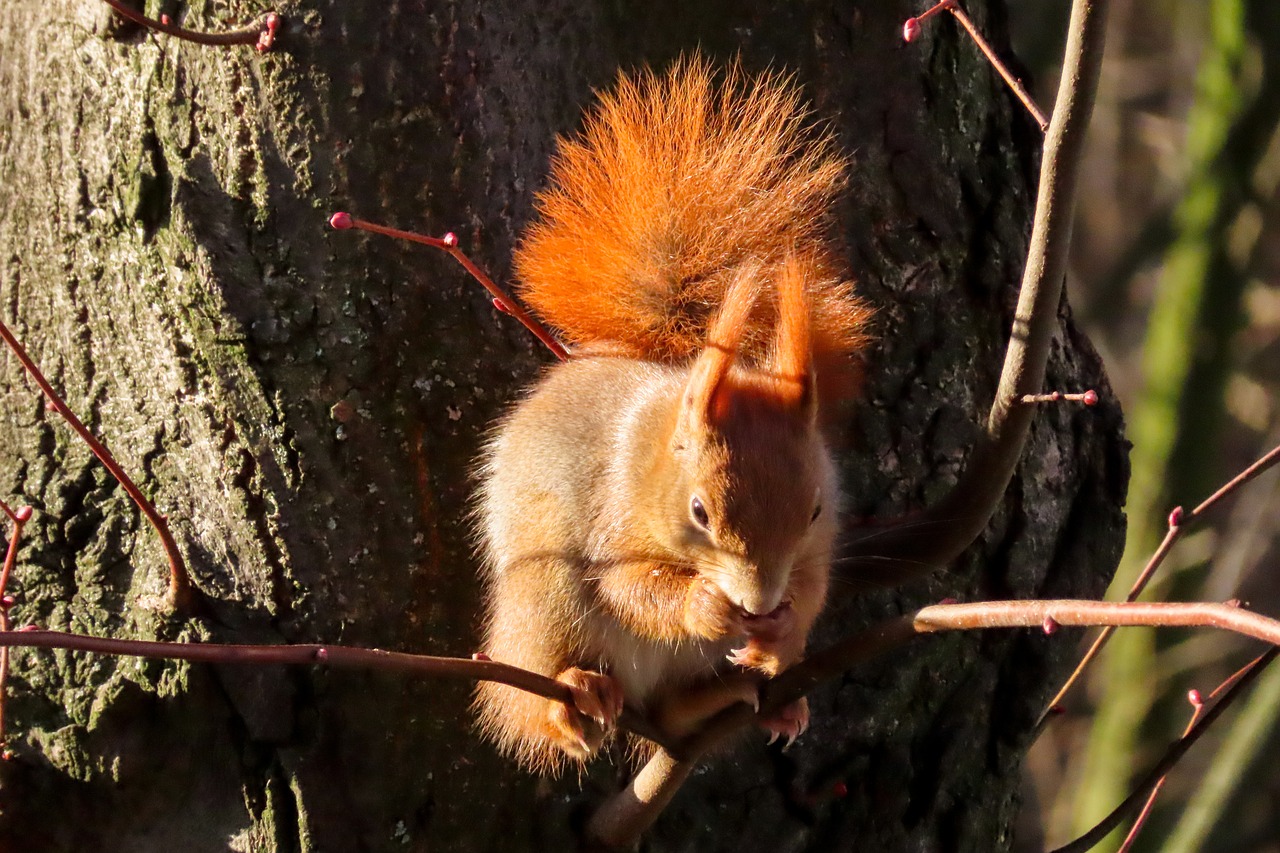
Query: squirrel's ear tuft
x,y
708,394
791,359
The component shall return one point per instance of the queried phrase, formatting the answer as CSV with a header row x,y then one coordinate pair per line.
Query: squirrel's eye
x,y
699,513
817,511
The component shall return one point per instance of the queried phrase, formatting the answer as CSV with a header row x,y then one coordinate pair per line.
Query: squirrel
x,y
659,511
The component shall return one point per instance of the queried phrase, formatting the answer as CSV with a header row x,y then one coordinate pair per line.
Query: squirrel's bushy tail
x,y
676,184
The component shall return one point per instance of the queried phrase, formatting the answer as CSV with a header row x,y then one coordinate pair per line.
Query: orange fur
x,y
665,499
673,187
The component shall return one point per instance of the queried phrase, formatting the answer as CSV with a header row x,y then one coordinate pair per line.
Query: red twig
x,y
449,243
1197,708
781,690
261,35
622,818
1178,523
19,517
911,29
1197,705
1171,757
1087,613
180,594
476,668
1089,398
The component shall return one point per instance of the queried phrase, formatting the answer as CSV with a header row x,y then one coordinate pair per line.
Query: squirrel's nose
x,y
775,613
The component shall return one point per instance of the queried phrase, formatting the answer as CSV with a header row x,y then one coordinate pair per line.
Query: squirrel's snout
x,y
772,614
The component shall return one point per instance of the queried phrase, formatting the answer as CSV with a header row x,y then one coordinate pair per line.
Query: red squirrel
x,y
664,499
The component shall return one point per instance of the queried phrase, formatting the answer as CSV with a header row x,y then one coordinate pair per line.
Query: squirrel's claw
x,y
790,722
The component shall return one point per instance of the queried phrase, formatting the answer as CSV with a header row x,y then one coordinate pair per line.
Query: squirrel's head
x,y
756,491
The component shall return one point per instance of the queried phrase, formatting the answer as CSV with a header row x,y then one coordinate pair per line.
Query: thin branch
x,y
1197,706
620,820
449,243
1089,398
1179,748
261,34
19,517
1178,524
335,656
791,684
911,29
1088,613
181,596
900,553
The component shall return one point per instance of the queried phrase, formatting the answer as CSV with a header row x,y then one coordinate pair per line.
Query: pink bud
x,y
1175,516
166,20
22,513
1057,710
1090,398
949,601
29,628
1050,625
840,790
910,29
341,221
501,306
1193,696
8,601
450,240
267,37
322,655
481,656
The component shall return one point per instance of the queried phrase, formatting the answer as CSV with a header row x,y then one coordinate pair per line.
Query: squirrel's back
x,y
676,186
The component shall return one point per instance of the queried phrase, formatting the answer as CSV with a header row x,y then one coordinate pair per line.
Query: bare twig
x,y
19,517
1179,748
181,596
1178,524
449,243
912,28
900,553
1089,398
1197,710
479,668
338,657
620,820
261,34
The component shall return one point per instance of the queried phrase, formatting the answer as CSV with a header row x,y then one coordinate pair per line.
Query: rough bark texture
x,y
304,406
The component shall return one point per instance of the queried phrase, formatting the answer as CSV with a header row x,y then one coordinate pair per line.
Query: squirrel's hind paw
x,y
598,702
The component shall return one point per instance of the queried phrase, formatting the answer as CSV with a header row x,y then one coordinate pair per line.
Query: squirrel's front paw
x,y
770,637
708,614
598,704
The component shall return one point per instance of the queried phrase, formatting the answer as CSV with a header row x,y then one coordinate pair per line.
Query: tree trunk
x,y
305,405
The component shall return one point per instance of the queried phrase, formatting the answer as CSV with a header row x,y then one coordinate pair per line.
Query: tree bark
x,y
305,405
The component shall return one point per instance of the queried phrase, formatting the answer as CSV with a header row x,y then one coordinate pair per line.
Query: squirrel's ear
x,y
792,356
707,395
